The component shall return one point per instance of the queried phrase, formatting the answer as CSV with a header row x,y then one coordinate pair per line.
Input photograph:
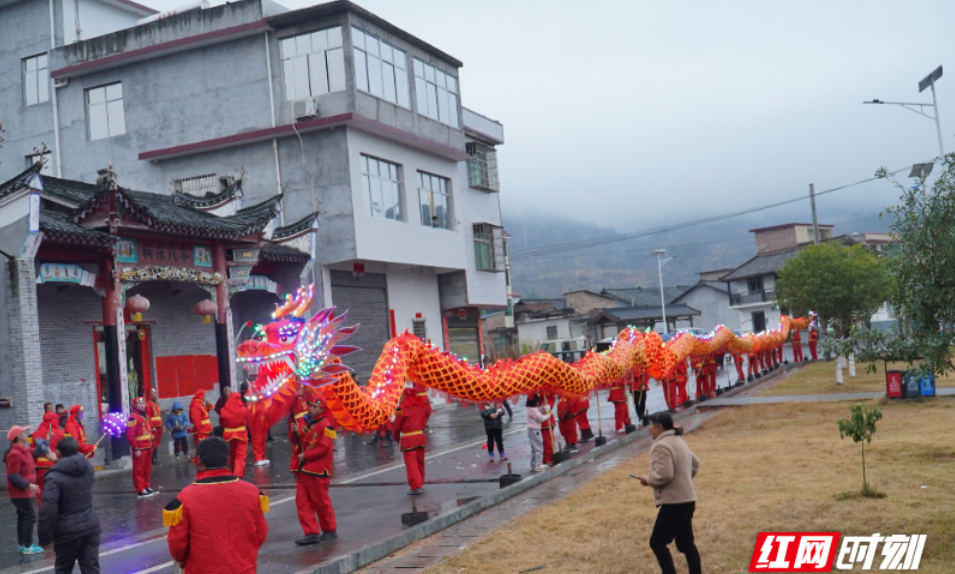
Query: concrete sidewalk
x,y
743,401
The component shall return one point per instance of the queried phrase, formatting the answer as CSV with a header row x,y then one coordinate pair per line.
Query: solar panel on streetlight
x,y
927,81
921,169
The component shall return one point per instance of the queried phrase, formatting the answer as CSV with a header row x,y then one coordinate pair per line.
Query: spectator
x,y
217,524
178,424
672,469
62,413
434,222
22,487
494,428
47,408
67,517
534,420
223,397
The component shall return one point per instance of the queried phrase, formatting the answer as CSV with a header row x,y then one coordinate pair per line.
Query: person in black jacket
x,y
67,517
494,427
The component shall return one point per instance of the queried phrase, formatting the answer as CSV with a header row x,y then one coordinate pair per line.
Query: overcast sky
x,y
636,114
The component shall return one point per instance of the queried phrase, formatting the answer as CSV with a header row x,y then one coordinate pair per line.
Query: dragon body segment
x,y
291,351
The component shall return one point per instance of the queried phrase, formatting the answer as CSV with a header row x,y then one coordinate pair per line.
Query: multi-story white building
x,y
355,122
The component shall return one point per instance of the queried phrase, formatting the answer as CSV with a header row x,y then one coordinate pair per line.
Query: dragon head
x,y
293,350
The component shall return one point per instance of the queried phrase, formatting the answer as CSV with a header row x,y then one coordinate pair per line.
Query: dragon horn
x,y
281,311
305,301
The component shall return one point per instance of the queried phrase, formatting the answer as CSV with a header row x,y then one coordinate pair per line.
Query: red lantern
x,y
137,305
207,309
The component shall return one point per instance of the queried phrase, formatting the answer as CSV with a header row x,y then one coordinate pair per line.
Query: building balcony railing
x,y
737,299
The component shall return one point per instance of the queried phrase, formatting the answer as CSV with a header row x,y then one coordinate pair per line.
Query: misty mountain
x,y
718,245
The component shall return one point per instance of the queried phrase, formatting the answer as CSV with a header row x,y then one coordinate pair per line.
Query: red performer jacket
x,y
217,524
421,393
618,394
410,420
296,412
813,335
567,409
199,415
795,336
138,432
233,418
583,404
75,429
315,438
48,430
154,414
548,423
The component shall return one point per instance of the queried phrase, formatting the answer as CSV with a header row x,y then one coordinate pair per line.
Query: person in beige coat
x,y
672,468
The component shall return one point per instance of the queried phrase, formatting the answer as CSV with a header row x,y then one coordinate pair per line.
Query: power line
x,y
572,245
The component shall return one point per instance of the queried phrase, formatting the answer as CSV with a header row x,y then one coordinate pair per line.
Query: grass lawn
x,y
820,378
763,468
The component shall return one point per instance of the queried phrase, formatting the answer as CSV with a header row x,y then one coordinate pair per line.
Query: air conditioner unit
x,y
305,109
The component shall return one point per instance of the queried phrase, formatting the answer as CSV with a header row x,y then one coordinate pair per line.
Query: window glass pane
x,y
439,77
453,110
422,98
302,44
452,84
442,184
319,41
429,73
401,81
114,92
361,71
401,59
374,76
418,68
288,47
317,74
288,68
117,121
366,185
373,167
335,37
424,201
41,61
395,201
300,77
358,38
364,164
443,105
43,84
376,203
31,64
371,44
441,209
97,95
29,88
393,171
432,101
387,54
336,69
388,73
99,128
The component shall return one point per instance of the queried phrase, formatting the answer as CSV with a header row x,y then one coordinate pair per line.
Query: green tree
x,y
860,427
921,270
841,283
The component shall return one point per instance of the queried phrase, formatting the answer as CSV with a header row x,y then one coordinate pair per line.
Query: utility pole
x,y
815,221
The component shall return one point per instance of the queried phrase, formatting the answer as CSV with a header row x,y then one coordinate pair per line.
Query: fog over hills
x,y
722,244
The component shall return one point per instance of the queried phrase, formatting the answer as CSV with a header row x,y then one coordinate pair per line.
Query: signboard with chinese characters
x,y
166,253
126,251
65,273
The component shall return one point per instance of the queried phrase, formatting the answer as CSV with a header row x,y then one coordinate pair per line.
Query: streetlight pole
x,y
927,82
663,303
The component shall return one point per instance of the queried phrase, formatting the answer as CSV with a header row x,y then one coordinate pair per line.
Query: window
x,y
488,252
313,64
552,331
382,187
36,80
198,185
482,167
105,111
754,285
436,93
381,69
433,194
419,329
47,168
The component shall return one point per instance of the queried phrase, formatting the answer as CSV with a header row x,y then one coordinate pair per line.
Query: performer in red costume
x,y
702,384
48,431
621,414
312,451
298,410
410,420
154,415
567,422
217,524
199,417
795,339
547,429
711,367
234,418
75,429
813,341
140,436
681,378
583,423
259,432
738,362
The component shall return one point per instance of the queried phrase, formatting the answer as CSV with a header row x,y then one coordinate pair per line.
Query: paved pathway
x,y
743,401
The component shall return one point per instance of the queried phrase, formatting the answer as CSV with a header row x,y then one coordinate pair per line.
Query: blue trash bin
x,y
927,386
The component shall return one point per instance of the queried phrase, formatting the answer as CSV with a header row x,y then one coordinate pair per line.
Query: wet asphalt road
x,y
368,493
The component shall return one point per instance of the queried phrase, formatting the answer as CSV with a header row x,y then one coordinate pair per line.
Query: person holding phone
x,y
672,469
494,429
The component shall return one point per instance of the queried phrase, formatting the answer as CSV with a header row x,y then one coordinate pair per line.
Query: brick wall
x,y
775,239
22,344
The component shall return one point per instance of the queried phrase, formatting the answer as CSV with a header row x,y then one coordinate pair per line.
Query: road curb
x,y
381,549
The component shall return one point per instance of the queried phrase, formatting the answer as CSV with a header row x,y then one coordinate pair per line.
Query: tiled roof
x,y
158,212
622,314
18,181
58,228
646,296
209,200
763,264
296,228
282,253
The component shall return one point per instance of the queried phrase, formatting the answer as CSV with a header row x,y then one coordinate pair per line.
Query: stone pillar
x,y
24,336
